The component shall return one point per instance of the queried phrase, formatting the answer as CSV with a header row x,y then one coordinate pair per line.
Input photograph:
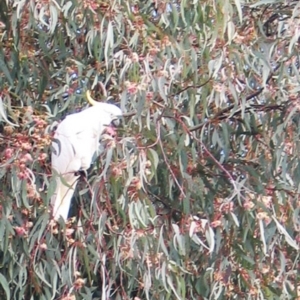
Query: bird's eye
x,y
116,122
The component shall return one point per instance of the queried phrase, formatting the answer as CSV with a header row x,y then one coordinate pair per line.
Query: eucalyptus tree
x,y
197,195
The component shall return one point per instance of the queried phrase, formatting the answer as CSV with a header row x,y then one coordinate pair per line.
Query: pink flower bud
x,y
8,153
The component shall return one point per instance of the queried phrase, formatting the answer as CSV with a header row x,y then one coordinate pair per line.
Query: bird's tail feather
x,y
62,197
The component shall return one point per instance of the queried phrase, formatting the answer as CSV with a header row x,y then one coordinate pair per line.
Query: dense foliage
x,y
197,196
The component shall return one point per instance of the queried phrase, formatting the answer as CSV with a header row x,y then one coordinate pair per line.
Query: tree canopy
x,y
197,196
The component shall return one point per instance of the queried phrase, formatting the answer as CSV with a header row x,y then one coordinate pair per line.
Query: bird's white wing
x,y
61,200
75,142
65,164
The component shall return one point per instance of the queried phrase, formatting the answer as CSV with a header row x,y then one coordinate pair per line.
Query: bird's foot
x,y
81,173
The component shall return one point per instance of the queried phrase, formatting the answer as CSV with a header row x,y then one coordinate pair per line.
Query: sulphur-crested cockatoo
x,y
76,140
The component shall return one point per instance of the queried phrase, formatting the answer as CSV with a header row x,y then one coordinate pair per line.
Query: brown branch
x,y
191,87
219,115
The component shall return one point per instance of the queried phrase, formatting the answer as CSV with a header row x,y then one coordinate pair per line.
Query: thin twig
x,y
220,166
166,160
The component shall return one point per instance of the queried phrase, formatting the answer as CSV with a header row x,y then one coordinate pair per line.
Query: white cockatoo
x,y
76,140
